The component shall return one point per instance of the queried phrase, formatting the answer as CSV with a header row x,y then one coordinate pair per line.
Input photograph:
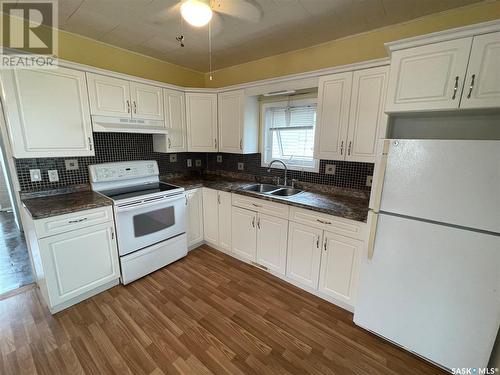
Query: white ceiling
x,y
150,26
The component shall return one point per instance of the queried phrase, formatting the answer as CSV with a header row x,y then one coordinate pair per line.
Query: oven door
x,y
142,224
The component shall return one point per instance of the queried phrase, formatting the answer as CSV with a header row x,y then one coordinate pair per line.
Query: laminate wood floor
x,y
207,313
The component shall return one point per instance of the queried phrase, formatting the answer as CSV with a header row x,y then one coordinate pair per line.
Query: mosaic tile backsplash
x,y
110,147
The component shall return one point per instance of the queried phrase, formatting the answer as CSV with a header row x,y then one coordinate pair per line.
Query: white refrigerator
x,y
431,279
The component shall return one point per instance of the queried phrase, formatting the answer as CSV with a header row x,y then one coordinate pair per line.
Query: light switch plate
x,y
330,168
241,166
35,175
173,158
369,180
219,158
197,162
189,163
53,175
71,164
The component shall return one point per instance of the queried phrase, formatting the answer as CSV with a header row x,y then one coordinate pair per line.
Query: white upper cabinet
x,y
201,121
121,98
238,117
482,84
428,77
367,119
334,95
175,121
109,96
147,101
47,125
340,267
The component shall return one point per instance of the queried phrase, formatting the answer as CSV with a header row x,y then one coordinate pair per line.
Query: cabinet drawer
x,y
72,221
337,225
261,205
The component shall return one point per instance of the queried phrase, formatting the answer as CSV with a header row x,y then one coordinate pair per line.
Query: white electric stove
x,y
150,215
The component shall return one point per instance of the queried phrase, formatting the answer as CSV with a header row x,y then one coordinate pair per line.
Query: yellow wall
x,y
87,51
356,48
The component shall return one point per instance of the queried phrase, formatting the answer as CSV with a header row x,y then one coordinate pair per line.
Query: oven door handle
x,y
148,203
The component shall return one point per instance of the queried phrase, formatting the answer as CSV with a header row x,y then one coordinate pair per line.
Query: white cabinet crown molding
x,y
443,36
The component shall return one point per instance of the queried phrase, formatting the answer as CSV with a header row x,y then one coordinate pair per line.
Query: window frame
x,y
265,136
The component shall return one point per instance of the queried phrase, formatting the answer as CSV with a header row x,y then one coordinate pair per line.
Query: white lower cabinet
x,y
224,202
272,233
304,254
339,267
217,218
244,233
194,214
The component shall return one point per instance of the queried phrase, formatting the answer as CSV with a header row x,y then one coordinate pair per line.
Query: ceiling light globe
x,y
196,12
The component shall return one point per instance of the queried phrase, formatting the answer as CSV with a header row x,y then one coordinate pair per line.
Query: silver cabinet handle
x,y
325,245
169,143
215,143
77,221
253,222
241,144
349,148
112,235
135,107
90,144
218,198
341,147
455,88
471,86
324,221
256,205
128,106
317,242
258,222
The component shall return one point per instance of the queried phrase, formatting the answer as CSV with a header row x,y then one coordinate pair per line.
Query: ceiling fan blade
x,y
242,9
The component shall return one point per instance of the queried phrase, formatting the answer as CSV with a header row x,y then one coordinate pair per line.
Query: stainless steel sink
x,y
285,192
261,188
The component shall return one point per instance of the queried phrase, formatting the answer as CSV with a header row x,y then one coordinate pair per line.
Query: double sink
x,y
272,190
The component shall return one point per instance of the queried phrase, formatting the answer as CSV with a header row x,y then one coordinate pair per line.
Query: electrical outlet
x,y
241,166
189,163
53,175
35,175
173,158
197,162
330,168
369,180
71,164
219,158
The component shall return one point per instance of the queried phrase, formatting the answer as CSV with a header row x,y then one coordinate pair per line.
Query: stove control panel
x,y
122,170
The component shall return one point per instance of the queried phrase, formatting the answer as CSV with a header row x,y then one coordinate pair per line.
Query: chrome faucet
x,y
284,166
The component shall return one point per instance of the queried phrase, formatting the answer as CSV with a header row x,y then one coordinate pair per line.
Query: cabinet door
x,y
201,121
244,233
109,96
175,117
482,86
194,216
272,233
210,216
304,254
333,116
367,119
147,101
43,124
339,267
230,108
429,77
224,201
78,261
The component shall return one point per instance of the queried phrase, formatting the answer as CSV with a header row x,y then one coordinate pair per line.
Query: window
x,y
288,136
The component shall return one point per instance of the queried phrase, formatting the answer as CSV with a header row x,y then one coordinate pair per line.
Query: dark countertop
x,y
60,204
345,206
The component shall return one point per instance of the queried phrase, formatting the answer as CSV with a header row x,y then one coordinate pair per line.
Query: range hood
x,y
111,124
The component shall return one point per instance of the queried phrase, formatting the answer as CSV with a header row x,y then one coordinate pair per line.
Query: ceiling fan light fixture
x,y
196,12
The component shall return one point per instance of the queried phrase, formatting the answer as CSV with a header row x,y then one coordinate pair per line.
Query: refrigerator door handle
x,y
379,177
372,234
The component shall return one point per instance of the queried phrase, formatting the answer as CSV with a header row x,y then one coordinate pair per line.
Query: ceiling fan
x,y
199,13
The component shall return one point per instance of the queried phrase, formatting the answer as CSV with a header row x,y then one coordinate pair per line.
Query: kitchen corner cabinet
x,y
175,121
201,122
194,214
42,125
461,73
217,218
75,255
351,114
116,97
238,118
